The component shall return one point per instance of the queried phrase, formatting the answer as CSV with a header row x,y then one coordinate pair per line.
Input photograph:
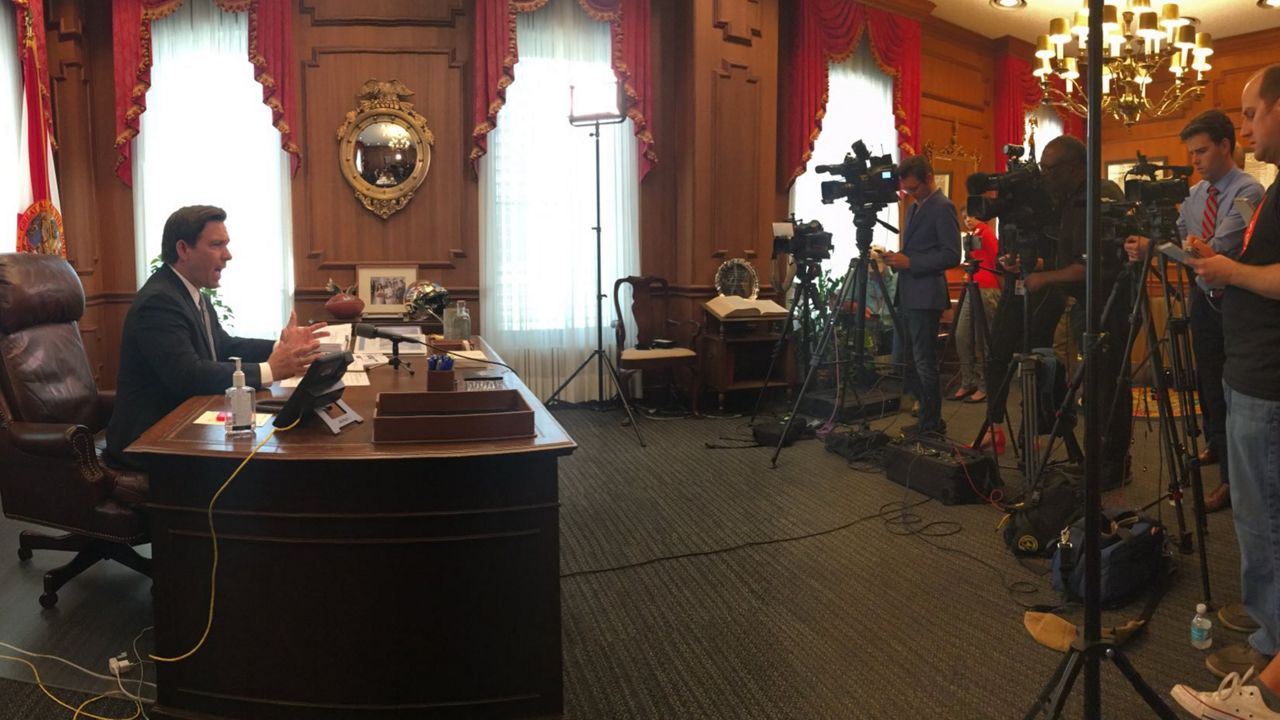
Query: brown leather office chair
x,y
50,411
661,343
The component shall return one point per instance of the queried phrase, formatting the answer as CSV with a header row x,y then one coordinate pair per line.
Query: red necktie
x,y
1210,222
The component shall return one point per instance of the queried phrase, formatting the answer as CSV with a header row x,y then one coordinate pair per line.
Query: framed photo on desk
x,y
383,288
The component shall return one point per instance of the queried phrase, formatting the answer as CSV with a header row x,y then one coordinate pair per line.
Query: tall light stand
x,y
1054,695
594,121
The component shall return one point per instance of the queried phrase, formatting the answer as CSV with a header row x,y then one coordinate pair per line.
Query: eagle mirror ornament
x,y
737,277
384,147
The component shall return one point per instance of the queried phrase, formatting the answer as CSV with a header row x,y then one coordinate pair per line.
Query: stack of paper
x,y
339,338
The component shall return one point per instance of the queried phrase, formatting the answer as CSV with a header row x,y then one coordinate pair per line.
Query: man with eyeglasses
x,y
1064,170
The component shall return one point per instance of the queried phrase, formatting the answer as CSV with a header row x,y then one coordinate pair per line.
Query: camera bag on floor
x,y
1132,553
953,474
1035,524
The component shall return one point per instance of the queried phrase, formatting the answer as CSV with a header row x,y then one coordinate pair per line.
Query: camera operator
x,y
1064,170
1251,381
981,249
930,245
1209,214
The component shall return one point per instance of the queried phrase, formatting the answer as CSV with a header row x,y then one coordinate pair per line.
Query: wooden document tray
x,y
451,416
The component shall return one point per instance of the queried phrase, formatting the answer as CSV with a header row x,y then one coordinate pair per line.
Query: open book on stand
x,y
732,306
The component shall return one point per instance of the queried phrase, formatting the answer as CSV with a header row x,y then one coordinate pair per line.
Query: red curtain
x,y
820,32
496,54
1016,93
270,51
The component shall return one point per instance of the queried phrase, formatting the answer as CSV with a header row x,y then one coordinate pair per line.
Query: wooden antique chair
x,y
657,346
50,411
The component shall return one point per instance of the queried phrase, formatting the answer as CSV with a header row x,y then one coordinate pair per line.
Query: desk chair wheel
x,y
24,554
48,600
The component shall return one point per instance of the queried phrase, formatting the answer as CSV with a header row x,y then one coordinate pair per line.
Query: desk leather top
x,y
176,433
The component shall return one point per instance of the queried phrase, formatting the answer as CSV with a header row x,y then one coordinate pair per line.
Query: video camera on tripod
x,y
869,180
1150,208
804,242
1021,203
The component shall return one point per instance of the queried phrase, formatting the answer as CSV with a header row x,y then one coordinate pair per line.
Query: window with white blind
x,y
10,121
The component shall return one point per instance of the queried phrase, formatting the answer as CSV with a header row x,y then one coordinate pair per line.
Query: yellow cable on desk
x,y
213,537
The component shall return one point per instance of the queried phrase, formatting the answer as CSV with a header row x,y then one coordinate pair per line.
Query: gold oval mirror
x,y
384,147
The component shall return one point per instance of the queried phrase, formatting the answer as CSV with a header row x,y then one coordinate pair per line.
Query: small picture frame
x,y
383,288
943,182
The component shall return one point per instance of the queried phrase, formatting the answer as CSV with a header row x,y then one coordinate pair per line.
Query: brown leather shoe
x,y
1219,499
1208,456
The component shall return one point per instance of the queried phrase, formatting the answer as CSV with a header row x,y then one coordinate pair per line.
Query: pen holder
x,y
443,380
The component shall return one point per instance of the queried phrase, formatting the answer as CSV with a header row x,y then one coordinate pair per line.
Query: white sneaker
x,y
1233,700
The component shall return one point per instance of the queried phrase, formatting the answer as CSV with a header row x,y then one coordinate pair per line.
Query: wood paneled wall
x,y
338,46
711,196
1235,59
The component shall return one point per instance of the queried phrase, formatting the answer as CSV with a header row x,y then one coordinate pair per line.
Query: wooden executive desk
x,y
357,580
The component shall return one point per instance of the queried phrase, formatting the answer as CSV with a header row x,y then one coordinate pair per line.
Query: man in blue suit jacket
x,y
930,245
173,346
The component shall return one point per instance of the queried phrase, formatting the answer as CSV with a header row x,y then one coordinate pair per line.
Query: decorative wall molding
x,y
735,155
421,13
738,20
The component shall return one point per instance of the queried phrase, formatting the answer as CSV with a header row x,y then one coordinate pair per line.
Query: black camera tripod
x,y
804,302
864,220
1025,365
1181,449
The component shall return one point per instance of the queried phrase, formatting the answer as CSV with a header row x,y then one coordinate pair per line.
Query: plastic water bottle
x,y
1201,629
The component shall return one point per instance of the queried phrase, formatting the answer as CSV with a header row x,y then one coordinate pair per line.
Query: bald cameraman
x,y
1209,213
1064,173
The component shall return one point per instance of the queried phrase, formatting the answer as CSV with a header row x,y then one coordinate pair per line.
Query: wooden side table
x,y
736,353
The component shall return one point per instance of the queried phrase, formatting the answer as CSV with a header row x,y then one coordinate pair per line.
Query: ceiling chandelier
x,y
1137,42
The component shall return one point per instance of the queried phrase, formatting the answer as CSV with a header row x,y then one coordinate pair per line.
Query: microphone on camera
x,y
365,330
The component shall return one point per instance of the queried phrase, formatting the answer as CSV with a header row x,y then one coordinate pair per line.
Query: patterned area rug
x,y
1146,405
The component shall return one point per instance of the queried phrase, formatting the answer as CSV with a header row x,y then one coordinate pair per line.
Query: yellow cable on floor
x,y
213,537
76,710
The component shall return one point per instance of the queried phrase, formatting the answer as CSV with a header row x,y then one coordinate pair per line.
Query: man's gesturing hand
x,y
297,347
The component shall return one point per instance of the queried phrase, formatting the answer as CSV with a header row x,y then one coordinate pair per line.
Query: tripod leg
x,y
1153,700
802,304
617,384
1055,692
555,395
857,270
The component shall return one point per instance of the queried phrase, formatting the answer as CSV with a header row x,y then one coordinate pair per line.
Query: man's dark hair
x,y
915,166
1269,87
1072,148
1215,124
186,224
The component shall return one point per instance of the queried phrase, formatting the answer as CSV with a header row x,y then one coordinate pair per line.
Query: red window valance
x,y
497,52
819,32
270,51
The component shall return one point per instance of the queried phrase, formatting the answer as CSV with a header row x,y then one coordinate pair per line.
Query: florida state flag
x,y
40,223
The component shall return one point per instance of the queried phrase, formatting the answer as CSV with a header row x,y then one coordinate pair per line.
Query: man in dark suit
x,y
930,245
173,345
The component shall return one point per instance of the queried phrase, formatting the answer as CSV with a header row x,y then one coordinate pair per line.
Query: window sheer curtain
x,y
859,107
1048,127
537,200
10,121
207,139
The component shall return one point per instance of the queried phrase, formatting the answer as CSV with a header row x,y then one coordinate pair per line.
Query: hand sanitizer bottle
x,y
239,409
462,323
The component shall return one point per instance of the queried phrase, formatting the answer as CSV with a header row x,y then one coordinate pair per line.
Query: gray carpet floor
x,y
700,583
